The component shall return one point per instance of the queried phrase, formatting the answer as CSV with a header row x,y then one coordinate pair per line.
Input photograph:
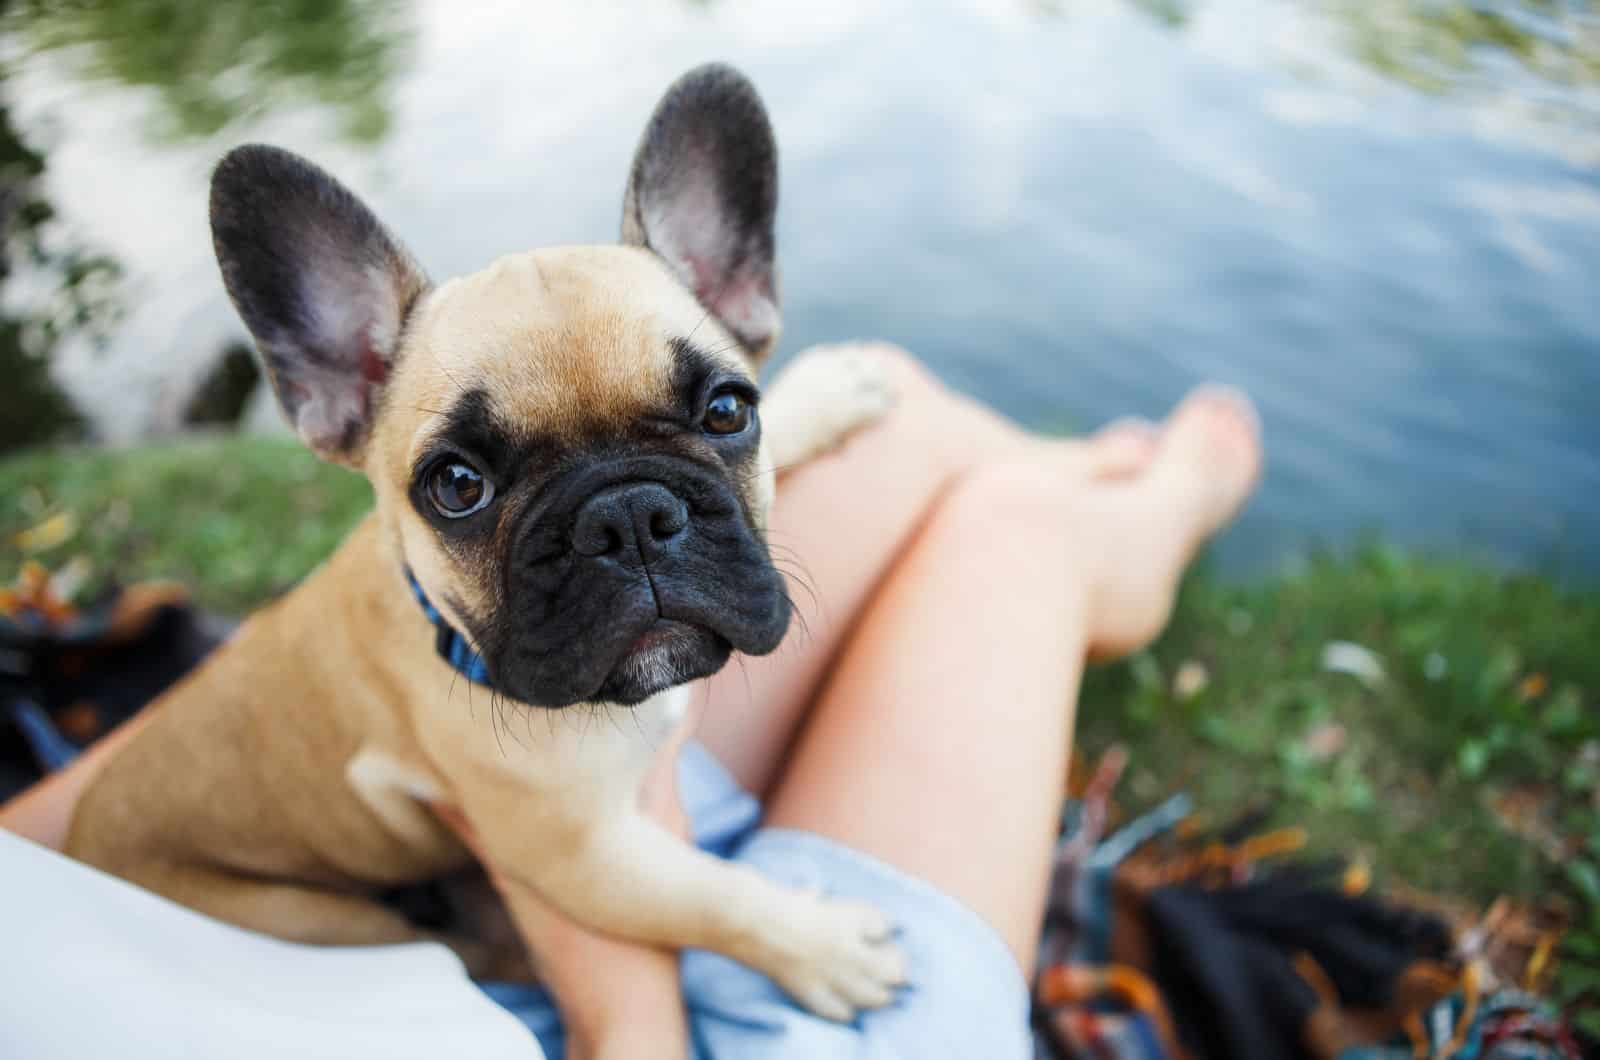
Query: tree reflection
x,y
214,62
72,294
1438,46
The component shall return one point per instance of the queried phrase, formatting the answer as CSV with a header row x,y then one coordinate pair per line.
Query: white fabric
x,y
91,966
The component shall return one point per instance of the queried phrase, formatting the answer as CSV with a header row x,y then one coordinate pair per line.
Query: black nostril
x,y
633,522
665,525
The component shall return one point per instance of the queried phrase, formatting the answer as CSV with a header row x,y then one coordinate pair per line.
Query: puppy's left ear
x,y
703,194
321,285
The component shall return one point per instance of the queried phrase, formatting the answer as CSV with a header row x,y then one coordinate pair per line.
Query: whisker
x,y
775,470
588,720
792,566
508,707
749,691
789,562
450,377
449,693
494,724
799,616
703,317
816,603
733,344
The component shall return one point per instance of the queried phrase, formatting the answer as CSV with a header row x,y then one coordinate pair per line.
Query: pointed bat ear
x,y
703,194
321,285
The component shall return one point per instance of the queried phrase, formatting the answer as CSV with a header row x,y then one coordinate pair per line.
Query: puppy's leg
x,y
298,913
820,397
624,875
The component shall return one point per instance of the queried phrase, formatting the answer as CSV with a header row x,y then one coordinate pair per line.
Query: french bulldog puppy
x,y
572,470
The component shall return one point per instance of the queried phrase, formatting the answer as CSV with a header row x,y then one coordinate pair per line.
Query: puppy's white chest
x,y
662,715
579,747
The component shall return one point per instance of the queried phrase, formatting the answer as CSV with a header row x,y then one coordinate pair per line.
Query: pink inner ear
x,y
704,284
686,226
374,369
745,304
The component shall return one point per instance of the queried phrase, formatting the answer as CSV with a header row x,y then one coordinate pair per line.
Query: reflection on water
x,y
68,290
1439,46
215,62
1382,217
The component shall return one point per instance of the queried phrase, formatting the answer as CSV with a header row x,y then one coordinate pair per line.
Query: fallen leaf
x,y
1325,740
47,534
1191,679
1528,812
68,582
1346,657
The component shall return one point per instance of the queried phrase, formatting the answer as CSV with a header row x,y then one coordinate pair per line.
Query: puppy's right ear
x,y
703,194
321,285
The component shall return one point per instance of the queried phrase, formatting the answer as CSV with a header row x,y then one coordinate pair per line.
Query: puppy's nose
x,y
636,519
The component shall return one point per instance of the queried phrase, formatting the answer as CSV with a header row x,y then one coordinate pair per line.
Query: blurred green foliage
x,y
215,63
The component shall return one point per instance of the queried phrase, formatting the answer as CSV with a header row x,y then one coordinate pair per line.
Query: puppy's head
x,y
565,446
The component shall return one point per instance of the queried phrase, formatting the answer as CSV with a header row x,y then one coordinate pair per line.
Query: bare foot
x,y
1121,448
1211,448
1150,526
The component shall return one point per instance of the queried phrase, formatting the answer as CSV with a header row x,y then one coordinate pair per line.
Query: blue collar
x,y
449,643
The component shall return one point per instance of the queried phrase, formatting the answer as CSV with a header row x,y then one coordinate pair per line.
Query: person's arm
x,y
43,812
618,1000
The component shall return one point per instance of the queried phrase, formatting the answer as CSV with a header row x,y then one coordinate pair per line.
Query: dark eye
x,y
726,413
456,489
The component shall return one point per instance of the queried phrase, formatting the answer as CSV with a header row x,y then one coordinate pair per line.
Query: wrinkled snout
x,y
633,524
631,575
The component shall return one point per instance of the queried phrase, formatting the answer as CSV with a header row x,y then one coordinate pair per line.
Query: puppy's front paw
x,y
837,957
822,396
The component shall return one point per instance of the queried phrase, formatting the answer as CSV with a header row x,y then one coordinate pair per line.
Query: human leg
x,y
939,743
842,520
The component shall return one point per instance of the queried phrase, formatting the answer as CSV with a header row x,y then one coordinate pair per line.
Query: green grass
x,y
1471,769
236,520
1451,728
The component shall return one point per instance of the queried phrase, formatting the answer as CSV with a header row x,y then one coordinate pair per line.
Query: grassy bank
x,y
236,520
1470,766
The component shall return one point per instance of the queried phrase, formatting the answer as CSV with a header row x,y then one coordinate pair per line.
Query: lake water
x,y
1380,218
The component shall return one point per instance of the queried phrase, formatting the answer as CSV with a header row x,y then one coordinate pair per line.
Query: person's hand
x,y
617,998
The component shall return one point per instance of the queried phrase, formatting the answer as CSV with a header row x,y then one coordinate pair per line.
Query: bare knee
x,y
1010,493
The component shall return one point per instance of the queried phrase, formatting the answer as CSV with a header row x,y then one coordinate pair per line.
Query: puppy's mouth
x,y
662,635
668,654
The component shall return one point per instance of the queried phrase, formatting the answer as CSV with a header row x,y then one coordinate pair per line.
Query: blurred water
x,y
1388,235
